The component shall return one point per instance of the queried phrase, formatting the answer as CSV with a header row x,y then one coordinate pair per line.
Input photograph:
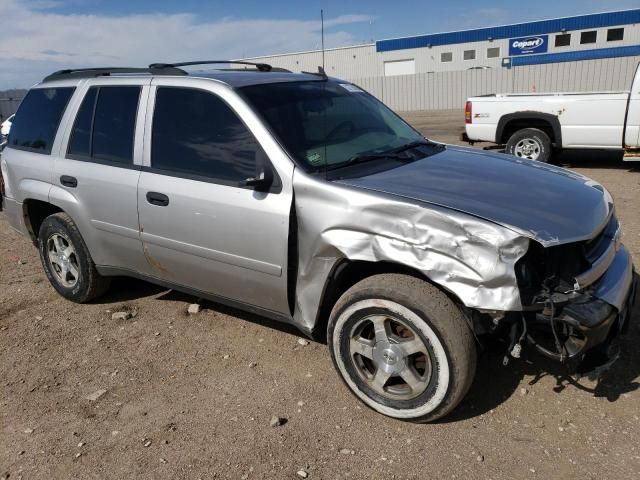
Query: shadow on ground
x,y
494,383
125,289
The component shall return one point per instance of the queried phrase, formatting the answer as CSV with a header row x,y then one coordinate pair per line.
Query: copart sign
x,y
528,45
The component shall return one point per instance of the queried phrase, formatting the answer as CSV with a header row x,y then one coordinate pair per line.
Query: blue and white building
x,y
569,39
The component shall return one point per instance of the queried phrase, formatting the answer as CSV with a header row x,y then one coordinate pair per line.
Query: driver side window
x,y
197,134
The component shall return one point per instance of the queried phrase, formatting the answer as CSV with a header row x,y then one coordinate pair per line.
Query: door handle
x,y
68,181
155,198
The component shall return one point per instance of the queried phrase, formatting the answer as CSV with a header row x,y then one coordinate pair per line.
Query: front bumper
x,y
597,317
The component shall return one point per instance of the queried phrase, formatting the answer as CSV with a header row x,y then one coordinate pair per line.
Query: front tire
x,y
67,262
402,347
530,143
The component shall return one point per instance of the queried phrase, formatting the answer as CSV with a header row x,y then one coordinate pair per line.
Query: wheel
x,y
530,143
67,262
402,347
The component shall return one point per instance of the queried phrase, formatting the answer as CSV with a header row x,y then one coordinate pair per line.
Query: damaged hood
x,y
546,203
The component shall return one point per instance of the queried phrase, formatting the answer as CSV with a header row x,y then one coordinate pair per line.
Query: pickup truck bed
x,y
607,120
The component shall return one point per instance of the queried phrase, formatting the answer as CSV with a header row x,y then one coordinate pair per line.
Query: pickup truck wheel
x,y
67,262
530,143
402,347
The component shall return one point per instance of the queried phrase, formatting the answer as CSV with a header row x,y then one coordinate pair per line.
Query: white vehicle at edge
x,y
5,126
532,125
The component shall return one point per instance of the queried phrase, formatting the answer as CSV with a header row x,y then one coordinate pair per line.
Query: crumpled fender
x,y
470,257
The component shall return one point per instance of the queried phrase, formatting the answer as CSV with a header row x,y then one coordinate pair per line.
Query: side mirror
x,y
264,173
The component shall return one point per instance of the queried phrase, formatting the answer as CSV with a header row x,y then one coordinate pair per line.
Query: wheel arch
x,y
512,122
35,211
346,273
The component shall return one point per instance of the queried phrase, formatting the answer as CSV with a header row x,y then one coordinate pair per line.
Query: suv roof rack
x,y
261,67
153,69
106,71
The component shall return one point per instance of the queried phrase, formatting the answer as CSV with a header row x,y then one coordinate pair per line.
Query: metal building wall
x,y
364,61
449,90
347,62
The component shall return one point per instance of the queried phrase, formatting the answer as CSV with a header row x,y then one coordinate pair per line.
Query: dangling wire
x,y
552,320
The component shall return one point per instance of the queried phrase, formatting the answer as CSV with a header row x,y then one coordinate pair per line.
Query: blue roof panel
x,y
575,56
596,20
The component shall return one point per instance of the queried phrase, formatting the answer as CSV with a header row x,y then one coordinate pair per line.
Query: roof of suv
x,y
243,79
263,73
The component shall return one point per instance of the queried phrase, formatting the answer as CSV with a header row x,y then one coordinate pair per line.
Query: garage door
x,y
399,67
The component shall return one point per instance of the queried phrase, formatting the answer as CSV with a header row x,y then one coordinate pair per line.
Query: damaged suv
x,y
304,199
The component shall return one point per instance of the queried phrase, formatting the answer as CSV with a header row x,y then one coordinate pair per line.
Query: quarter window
x,y
469,55
36,123
196,133
446,57
104,128
588,37
615,34
563,40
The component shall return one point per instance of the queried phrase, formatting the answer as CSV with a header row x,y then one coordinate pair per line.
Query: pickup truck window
x,y
196,133
326,123
104,128
36,122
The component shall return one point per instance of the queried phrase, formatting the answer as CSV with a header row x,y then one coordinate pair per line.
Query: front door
x,y
201,227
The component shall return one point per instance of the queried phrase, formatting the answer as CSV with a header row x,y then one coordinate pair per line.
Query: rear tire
x,y
530,143
402,347
67,262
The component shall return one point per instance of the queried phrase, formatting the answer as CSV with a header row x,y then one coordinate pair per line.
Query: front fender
x,y
470,257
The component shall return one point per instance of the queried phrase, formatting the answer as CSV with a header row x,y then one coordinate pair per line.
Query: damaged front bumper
x,y
583,329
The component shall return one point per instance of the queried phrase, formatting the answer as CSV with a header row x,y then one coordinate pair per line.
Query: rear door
x,y
96,175
202,228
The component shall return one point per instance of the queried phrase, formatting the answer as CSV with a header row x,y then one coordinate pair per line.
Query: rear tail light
x,y
467,113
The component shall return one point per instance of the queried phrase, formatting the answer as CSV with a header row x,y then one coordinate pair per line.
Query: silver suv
x,y
305,199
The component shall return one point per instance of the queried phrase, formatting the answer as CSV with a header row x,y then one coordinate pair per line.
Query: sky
x,y
38,37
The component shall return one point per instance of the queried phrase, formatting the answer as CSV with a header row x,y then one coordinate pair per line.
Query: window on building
x,y
469,55
615,34
105,125
493,52
446,57
588,37
563,40
196,133
36,122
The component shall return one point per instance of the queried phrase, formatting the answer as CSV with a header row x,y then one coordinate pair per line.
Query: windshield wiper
x,y
410,145
395,154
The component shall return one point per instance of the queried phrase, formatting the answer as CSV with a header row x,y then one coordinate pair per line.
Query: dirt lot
x,y
191,397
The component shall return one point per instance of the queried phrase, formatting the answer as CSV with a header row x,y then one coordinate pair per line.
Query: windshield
x,y
326,123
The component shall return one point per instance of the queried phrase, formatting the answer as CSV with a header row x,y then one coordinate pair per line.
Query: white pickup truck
x,y
532,125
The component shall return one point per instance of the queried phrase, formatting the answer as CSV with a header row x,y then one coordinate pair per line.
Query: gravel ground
x,y
164,394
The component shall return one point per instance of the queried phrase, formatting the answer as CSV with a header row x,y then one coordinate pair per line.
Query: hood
x,y
546,203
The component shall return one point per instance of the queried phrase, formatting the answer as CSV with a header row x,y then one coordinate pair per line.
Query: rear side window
x,y
104,128
196,133
36,123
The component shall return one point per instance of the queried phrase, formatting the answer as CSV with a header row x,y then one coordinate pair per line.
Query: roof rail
x,y
106,71
262,67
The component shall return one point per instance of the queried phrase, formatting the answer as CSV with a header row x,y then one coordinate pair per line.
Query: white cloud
x,y
35,41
